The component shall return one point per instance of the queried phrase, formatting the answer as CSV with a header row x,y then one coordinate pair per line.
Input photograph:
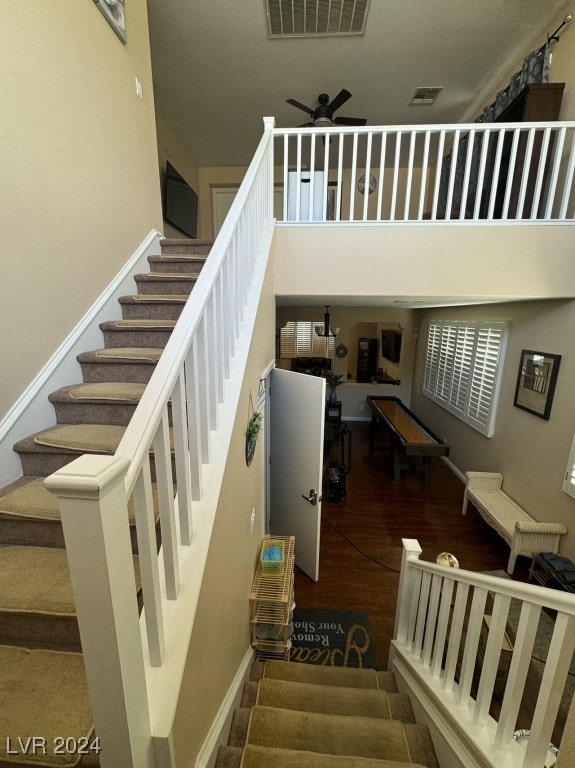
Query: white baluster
x,y
163,464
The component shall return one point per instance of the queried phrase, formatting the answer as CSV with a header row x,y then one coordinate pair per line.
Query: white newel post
x,y
411,551
94,515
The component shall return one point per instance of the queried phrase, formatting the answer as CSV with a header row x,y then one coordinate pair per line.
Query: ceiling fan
x,y
322,115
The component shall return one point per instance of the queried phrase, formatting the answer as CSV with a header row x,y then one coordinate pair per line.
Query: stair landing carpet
x,y
333,638
43,694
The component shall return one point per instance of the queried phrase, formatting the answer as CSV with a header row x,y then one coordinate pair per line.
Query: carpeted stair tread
x,y
81,438
325,699
143,325
182,263
328,734
321,675
152,305
42,694
181,283
122,354
398,704
108,391
171,245
154,298
29,498
36,580
272,757
417,736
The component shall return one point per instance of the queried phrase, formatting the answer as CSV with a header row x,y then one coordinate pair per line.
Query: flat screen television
x,y
180,203
391,345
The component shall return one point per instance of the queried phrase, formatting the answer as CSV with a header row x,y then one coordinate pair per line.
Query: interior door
x,y
297,408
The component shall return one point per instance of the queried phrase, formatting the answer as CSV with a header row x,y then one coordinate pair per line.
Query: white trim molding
x,y
32,411
219,730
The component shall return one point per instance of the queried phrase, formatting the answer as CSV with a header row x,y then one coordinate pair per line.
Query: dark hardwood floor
x,y
360,552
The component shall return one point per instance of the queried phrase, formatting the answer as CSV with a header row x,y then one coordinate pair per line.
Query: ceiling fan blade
x,y
301,106
305,125
350,120
339,100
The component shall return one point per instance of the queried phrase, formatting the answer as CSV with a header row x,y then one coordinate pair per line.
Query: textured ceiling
x,y
217,74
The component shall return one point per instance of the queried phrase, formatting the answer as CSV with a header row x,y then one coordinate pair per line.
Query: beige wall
x,y
561,70
352,322
221,631
171,148
478,262
531,452
79,188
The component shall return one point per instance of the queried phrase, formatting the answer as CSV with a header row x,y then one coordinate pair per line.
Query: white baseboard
x,y
32,411
218,733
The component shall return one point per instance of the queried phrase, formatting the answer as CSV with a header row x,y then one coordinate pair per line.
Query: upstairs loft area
x,y
519,168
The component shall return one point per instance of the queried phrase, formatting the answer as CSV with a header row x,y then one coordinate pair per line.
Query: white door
x,y
297,407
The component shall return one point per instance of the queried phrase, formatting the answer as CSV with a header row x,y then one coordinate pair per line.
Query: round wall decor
x,y
369,187
341,350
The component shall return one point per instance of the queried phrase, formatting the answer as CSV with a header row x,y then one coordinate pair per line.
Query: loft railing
x,y
439,631
520,172
178,436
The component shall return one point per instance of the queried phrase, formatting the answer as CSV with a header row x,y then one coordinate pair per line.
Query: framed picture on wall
x,y
536,381
115,14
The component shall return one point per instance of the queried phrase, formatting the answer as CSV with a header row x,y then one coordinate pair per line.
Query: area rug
x,y
333,638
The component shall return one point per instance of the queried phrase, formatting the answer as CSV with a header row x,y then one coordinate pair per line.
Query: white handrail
x,y
437,638
198,374
488,172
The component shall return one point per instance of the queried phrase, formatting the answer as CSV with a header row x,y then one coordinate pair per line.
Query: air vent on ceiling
x,y
423,97
313,18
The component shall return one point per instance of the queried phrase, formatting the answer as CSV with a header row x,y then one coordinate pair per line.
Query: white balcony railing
x,y
520,172
439,631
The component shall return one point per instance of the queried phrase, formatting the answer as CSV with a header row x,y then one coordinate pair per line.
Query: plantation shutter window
x,y
299,339
463,367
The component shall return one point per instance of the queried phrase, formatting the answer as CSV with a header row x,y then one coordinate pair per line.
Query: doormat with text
x,y
333,638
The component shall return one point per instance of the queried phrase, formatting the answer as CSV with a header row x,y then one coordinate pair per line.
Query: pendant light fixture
x,y
326,329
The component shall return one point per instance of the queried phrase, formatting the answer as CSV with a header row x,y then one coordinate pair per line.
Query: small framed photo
x,y
536,381
115,13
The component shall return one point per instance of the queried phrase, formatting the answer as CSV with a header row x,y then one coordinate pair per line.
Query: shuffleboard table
x,y
410,436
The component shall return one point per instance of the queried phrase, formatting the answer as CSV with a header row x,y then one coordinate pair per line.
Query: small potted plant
x,y
252,432
333,380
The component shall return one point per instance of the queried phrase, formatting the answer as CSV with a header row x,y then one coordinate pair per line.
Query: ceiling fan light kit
x,y
323,115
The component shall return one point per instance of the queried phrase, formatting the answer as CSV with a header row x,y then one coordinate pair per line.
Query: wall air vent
x,y
423,97
315,18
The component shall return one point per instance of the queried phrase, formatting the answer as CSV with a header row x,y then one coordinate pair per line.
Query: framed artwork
x,y
115,13
536,381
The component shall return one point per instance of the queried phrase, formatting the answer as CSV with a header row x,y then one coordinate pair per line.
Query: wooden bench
x,y
524,535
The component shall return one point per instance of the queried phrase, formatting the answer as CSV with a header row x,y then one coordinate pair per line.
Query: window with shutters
x,y
569,482
299,339
463,367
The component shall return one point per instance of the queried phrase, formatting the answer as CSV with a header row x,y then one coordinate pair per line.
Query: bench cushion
x,y
504,510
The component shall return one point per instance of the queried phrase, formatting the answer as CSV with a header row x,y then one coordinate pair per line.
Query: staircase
x,y
45,716
304,716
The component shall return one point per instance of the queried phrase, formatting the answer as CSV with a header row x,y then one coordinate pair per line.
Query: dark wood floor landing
x,y
360,552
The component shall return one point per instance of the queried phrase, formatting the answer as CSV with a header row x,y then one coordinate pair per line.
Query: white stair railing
x,y
439,625
489,172
198,377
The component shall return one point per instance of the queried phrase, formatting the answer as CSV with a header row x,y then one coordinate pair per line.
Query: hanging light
x,y
326,329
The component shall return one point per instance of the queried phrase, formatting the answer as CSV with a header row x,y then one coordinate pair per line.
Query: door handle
x,y
312,498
